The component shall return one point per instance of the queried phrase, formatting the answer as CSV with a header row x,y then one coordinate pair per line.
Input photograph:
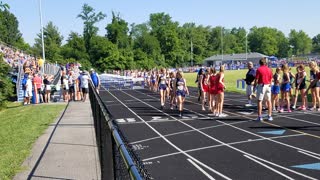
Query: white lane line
x,y
296,119
308,154
270,168
284,168
182,132
169,142
284,144
201,170
219,145
221,142
293,147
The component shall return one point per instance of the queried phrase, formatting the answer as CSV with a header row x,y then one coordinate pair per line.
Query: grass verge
x,y
20,126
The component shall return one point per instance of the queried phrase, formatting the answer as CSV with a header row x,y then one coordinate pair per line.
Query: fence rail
x,y
117,158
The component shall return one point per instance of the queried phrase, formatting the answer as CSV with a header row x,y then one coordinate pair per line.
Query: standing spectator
x,y
47,83
80,86
28,89
85,85
37,81
65,88
263,84
24,88
95,79
250,76
71,82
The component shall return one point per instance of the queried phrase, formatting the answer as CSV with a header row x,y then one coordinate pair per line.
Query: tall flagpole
x,y
42,39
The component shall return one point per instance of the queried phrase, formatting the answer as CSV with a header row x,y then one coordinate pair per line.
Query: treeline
x,y
159,42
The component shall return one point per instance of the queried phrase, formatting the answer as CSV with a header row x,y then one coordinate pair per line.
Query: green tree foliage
x,y
6,87
117,31
106,54
166,31
9,32
269,41
90,18
300,41
316,44
52,43
74,50
4,6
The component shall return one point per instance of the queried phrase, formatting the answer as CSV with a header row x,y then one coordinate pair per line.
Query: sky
x,y
281,14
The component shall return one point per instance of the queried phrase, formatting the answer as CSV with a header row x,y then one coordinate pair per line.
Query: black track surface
x,y
201,147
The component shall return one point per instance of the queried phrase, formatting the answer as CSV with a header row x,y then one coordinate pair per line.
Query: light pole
x,y
221,43
42,39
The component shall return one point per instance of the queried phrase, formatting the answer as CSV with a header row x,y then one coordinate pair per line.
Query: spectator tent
x,y
233,59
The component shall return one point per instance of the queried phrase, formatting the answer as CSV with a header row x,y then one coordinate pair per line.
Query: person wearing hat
x,y
95,79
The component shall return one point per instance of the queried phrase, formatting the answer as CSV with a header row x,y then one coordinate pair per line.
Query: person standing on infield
x,y
263,85
250,76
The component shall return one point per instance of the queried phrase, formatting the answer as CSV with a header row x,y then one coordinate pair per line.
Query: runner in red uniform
x,y
204,88
220,91
212,90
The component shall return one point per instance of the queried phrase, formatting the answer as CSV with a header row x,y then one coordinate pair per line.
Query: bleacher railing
x,y
117,159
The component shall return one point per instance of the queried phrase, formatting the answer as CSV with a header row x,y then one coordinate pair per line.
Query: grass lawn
x,y
230,79
20,126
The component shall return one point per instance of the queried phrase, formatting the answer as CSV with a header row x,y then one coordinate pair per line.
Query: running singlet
x,y
204,83
171,82
276,79
162,79
180,84
212,87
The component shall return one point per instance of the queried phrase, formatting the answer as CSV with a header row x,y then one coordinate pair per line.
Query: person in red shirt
x,y
263,85
220,86
37,81
204,88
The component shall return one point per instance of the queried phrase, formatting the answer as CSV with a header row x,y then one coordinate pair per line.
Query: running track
x,y
201,147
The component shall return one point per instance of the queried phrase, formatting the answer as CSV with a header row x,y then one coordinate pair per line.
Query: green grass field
x,y
230,79
20,126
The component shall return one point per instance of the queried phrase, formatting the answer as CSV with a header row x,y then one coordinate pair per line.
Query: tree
x,y
9,32
75,49
4,6
90,18
264,40
300,42
106,54
5,84
166,31
52,43
117,31
316,44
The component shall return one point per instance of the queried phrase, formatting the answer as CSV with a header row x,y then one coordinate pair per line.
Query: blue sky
x,y
281,14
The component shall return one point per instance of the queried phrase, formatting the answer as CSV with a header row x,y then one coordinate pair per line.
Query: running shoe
x,y
222,115
171,107
319,109
302,108
289,111
274,110
312,109
259,119
293,107
203,109
270,118
281,110
161,107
